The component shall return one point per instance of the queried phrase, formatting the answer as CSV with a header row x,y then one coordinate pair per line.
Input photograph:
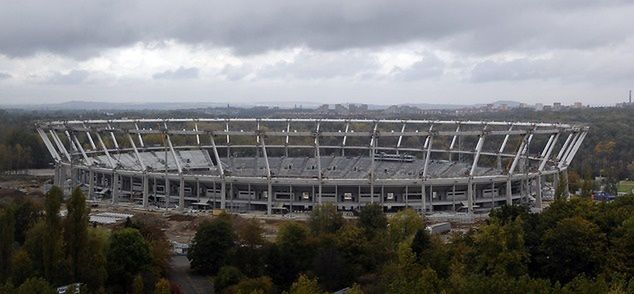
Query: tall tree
x,y
52,243
573,247
325,219
216,234
7,233
76,231
372,219
404,224
128,255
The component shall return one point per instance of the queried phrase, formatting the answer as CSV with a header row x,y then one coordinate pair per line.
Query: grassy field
x,y
625,186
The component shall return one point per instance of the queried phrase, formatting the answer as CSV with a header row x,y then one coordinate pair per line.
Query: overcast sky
x,y
381,52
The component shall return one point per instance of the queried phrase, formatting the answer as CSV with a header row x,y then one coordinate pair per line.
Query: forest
x,y
575,246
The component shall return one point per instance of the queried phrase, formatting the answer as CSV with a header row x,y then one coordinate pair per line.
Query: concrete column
x,y
269,205
509,193
470,196
423,197
223,194
167,192
115,187
146,190
181,194
431,198
91,183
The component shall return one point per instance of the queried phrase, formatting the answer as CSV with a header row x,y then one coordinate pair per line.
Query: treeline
x,y
574,246
606,151
40,249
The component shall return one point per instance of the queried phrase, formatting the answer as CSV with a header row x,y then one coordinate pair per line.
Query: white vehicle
x,y
439,228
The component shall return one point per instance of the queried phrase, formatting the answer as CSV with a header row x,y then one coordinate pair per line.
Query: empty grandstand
x,y
278,165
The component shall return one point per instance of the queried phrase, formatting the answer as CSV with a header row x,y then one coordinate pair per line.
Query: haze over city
x,y
376,52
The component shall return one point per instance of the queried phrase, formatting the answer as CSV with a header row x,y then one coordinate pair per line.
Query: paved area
x,y
188,282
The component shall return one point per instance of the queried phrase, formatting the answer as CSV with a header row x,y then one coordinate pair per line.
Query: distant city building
x,y
539,106
557,106
339,108
578,105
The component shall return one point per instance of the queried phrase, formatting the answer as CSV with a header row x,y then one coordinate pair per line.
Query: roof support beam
x,y
546,156
136,125
60,145
178,163
343,142
136,153
400,138
105,151
83,153
114,138
563,147
571,155
476,157
49,145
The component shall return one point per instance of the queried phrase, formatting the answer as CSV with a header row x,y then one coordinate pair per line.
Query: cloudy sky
x,y
324,51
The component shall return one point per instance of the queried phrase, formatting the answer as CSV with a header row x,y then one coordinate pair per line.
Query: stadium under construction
x,y
279,165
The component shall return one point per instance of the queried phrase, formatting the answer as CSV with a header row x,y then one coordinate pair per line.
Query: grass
x,y
625,186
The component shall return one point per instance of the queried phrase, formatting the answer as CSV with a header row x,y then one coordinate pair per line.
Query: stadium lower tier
x,y
204,189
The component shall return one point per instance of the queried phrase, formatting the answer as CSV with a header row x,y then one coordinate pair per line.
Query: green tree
x,y
404,224
560,190
76,232
325,219
7,233
372,219
35,286
249,252
162,287
227,276
499,249
305,285
27,213
52,243
22,266
291,254
137,285
573,247
217,234
128,255
94,271
259,285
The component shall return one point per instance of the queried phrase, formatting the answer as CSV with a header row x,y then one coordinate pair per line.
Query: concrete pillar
x,y
91,183
269,205
146,190
115,187
167,192
181,194
470,196
223,194
509,192
431,198
423,195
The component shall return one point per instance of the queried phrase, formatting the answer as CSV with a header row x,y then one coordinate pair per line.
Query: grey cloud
x,y
71,78
4,76
320,66
430,66
181,73
235,73
80,28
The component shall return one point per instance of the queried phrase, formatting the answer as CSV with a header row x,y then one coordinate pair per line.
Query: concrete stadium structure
x,y
276,165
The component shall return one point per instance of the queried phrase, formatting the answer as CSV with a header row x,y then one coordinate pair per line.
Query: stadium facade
x,y
275,165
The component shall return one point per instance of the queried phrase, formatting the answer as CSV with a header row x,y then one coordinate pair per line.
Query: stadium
x,y
290,165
